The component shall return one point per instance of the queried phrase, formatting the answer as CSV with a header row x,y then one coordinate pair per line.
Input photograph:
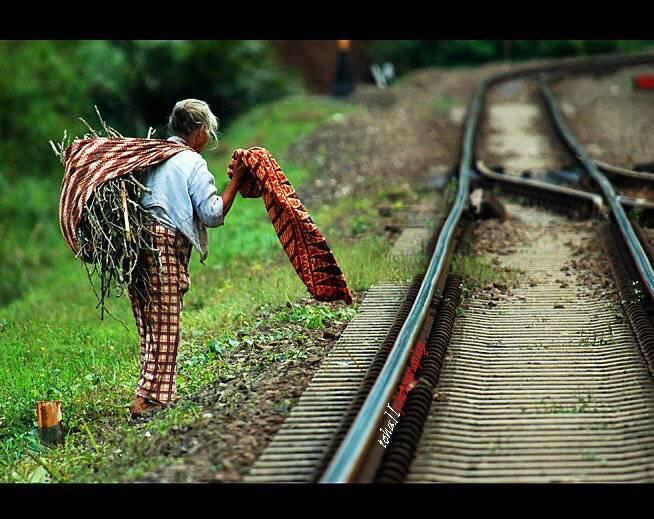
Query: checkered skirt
x,y
157,305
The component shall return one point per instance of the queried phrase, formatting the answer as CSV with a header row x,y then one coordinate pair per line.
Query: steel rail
x,y
612,198
350,455
348,458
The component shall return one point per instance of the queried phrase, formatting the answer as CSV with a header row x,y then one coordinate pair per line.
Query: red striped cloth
x,y
301,239
88,163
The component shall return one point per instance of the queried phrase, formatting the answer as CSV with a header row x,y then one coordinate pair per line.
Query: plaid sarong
x,y
301,239
89,163
158,313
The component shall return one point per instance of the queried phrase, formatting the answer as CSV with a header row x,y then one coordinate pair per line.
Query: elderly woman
x,y
183,201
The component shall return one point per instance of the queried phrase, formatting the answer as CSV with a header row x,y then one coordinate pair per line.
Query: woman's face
x,y
198,139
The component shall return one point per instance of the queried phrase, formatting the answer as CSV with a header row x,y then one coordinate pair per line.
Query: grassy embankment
x,y
53,346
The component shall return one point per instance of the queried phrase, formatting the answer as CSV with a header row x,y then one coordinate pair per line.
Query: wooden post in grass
x,y
49,418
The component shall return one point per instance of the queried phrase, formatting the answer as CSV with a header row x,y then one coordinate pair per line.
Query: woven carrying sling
x,y
301,239
89,163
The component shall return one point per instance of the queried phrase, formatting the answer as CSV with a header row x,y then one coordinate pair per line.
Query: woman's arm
x,y
210,207
232,188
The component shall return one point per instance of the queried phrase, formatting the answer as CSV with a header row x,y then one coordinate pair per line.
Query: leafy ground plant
x,y
314,317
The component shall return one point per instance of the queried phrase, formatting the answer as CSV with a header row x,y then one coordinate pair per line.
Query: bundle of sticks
x,y
113,232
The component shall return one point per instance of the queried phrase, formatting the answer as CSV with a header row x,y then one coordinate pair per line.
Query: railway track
x,y
547,383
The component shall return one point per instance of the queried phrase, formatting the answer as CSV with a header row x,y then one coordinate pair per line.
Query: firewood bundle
x,y
113,231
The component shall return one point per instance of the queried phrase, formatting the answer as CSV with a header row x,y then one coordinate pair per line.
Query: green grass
x,y
477,271
583,405
277,125
31,242
442,105
53,345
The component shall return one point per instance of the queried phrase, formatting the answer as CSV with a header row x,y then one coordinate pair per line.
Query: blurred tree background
x,y
412,54
46,85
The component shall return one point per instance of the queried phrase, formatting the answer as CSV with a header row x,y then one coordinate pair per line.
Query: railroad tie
x,y
547,386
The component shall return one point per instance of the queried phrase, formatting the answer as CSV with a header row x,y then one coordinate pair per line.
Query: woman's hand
x,y
232,187
240,171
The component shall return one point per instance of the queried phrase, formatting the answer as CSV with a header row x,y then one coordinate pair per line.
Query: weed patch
x,y
477,271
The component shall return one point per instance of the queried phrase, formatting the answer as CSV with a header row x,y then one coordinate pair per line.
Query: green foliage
x,y
313,317
359,225
413,54
276,125
46,85
136,83
442,104
31,242
451,190
42,91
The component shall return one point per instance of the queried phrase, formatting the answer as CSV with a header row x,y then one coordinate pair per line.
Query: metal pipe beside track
x,y
594,201
624,172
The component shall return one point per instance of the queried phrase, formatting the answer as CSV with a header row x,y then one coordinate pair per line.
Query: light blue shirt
x,y
183,196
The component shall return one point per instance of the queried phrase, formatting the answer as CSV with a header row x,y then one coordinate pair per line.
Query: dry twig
x,y
114,232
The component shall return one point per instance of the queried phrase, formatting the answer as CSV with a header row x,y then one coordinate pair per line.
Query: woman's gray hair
x,y
189,115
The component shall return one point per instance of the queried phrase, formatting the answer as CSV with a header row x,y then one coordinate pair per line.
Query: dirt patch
x,y
240,415
516,132
594,277
407,133
611,119
649,235
591,264
500,236
371,151
495,238
478,259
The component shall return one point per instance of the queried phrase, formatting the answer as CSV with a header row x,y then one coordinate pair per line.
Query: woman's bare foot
x,y
143,405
